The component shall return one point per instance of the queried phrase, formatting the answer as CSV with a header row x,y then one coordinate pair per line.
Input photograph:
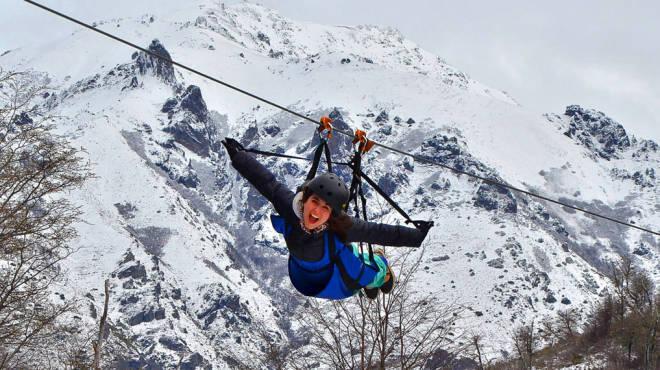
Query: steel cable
x,y
345,133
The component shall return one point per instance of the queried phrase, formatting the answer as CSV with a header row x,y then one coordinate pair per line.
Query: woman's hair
x,y
339,225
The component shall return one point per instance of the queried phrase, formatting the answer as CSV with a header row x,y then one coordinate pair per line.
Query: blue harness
x,y
334,275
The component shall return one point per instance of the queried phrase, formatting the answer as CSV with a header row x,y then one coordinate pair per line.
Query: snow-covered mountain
x,y
199,276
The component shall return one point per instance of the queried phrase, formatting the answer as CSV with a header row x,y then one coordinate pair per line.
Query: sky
x,y
599,54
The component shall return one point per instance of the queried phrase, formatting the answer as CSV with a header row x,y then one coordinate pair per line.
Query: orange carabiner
x,y
325,125
365,144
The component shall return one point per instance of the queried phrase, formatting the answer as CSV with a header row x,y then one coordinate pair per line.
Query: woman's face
x,y
315,212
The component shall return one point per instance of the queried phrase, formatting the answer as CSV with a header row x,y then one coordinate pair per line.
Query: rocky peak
x,y
192,101
269,33
449,151
646,149
189,120
596,131
147,63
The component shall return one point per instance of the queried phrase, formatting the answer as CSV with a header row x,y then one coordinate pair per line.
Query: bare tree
x,y
567,323
477,345
525,343
279,353
600,320
638,316
620,331
70,348
400,329
36,168
98,345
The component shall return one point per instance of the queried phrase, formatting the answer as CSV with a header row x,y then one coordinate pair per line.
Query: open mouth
x,y
313,218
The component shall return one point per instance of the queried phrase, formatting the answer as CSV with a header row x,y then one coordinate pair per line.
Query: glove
x,y
232,146
423,226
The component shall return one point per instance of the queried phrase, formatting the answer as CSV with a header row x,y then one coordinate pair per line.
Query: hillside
x,y
197,271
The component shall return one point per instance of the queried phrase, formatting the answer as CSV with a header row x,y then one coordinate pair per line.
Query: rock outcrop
x,y
147,63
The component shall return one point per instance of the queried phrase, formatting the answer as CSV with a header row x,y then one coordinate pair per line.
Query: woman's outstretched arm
x,y
264,181
384,234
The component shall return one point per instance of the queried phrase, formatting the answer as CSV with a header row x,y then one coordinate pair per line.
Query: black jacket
x,y
309,247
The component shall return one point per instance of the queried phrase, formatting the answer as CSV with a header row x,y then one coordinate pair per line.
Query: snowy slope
x,y
211,271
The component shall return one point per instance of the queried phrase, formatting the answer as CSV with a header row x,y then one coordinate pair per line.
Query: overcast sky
x,y
599,54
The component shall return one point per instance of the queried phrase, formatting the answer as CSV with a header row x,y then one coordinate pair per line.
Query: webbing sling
x,y
363,146
350,282
382,193
417,223
355,190
322,147
273,154
373,184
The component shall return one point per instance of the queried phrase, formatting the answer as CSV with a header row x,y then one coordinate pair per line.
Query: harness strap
x,y
364,216
315,161
324,127
355,190
351,283
383,194
328,159
316,270
356,211
420,224
355,164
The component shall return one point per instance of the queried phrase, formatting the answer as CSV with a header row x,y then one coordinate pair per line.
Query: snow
x,y
386,73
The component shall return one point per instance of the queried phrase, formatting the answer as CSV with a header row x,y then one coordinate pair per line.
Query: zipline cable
x,y
272,154
345,133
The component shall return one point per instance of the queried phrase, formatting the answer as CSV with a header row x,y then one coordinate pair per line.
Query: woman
x,y
318,233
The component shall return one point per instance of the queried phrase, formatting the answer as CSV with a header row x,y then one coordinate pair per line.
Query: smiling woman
x,y
317,215
315,210
323,261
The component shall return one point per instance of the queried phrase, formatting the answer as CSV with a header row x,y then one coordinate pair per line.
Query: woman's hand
x,y
424,226
232,146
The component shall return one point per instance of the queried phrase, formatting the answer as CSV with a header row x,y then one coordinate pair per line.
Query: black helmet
x,y
330,188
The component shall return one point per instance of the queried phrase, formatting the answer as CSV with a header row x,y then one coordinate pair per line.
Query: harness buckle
x,y
365,144
325,128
